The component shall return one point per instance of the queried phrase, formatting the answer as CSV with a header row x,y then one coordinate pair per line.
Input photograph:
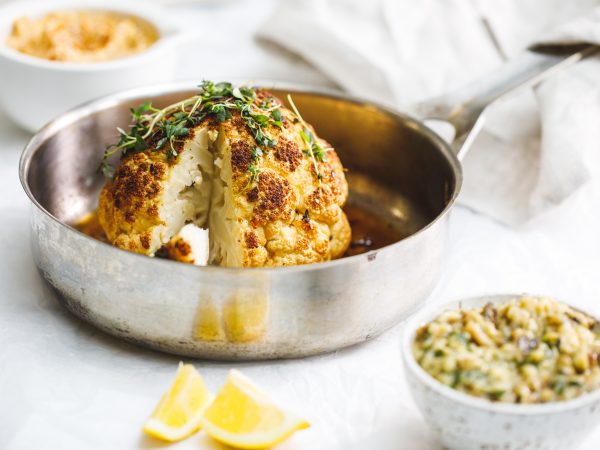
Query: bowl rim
x,y
155,14
104,102
410,364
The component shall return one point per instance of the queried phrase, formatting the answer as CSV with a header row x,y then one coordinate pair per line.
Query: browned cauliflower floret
x,y
272,205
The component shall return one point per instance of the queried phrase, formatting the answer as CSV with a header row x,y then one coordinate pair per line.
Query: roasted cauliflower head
x,y
235,161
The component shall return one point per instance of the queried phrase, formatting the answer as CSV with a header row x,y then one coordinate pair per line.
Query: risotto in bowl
x,y
507,371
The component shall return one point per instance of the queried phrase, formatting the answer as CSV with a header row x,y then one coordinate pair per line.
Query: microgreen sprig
x,y
314,149
254,167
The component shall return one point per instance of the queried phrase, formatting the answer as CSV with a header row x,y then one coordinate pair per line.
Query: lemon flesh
x,y
244,417
180,410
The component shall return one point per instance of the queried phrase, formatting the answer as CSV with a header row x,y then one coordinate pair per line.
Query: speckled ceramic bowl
x,y
464,422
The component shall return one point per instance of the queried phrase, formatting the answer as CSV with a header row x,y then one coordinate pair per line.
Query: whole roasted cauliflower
x,y
233,160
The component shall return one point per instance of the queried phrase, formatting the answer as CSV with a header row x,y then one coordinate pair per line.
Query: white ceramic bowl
x,y
464,422
34,90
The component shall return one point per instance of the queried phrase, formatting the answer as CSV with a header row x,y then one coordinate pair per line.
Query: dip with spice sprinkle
x,y
526,350
81,36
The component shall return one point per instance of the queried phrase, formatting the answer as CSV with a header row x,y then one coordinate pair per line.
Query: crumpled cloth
x,y
537,147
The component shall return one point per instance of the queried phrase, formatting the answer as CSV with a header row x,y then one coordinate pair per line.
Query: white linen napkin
x,y
536,149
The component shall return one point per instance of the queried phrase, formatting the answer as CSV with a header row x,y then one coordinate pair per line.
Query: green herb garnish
x,y
462,336
165,128
559,385
313,149
496,395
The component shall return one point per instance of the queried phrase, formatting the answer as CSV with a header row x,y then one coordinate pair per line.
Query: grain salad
x,y
526,350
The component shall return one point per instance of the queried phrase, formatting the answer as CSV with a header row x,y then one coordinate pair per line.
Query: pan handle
x,y
463,108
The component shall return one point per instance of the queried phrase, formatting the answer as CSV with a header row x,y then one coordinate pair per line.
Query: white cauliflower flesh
x,y
190,245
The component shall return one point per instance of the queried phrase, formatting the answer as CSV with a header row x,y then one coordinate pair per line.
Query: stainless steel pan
x,y
398,168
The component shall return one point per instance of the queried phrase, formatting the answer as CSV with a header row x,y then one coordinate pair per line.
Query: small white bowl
x,y
465,422
35,90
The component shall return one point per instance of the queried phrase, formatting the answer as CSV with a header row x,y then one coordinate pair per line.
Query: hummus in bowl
x,y
81,35
80,52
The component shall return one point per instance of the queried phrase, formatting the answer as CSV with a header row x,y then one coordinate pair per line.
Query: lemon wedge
x,y
180,410
244,417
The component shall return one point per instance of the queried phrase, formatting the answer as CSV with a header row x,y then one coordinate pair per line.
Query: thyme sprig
x,y
254,167
165,128
314,149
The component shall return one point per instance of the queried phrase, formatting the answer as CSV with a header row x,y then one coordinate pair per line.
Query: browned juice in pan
x,y
369,232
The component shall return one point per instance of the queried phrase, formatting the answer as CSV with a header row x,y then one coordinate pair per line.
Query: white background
x,y
65,385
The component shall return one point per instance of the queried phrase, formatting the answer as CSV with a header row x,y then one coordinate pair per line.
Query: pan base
x,y
215,351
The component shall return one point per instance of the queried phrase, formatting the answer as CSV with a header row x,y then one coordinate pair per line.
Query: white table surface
x,y
65,385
